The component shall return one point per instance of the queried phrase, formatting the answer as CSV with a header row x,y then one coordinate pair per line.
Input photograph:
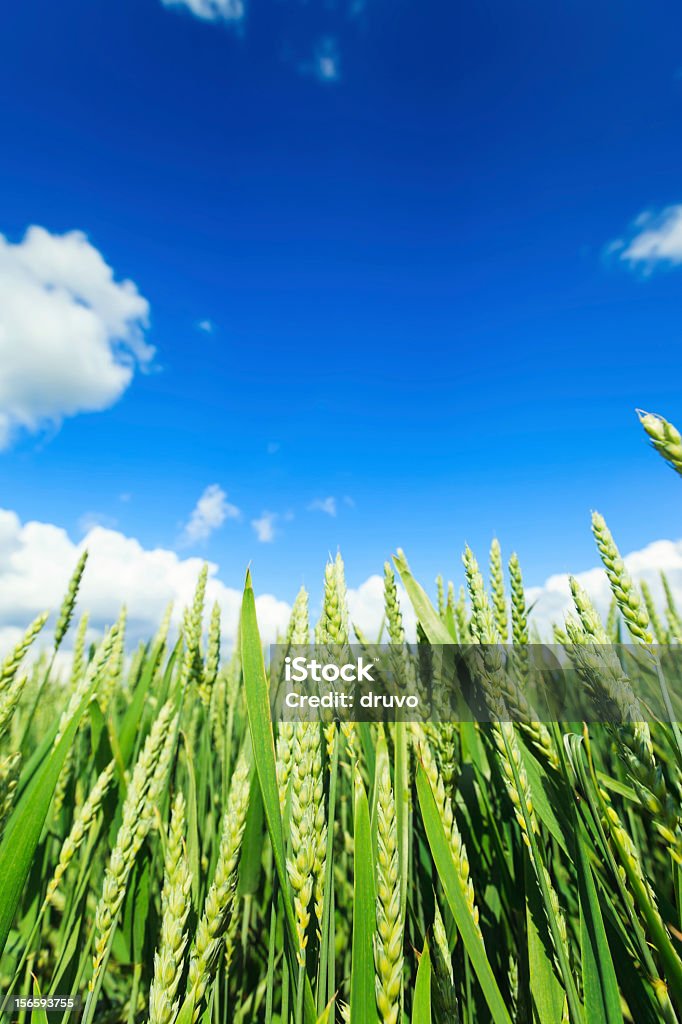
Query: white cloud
x,y
657,239
70,334
207,326
211,10
265,527
366,609
37,559
553,599
209,513
326,505
551,602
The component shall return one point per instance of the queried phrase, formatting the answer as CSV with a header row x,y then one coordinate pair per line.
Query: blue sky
x,y
397,219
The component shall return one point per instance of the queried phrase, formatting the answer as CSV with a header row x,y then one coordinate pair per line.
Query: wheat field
x,y
169,855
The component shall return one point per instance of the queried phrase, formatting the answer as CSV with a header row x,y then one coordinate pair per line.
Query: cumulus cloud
x,y
211,10
37,559
326,505
265,527
366,609
553,600
656,240
209,514
71,335
207,326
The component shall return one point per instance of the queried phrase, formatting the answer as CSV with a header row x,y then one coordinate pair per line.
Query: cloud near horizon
x,y
553,600
71,335
37,559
